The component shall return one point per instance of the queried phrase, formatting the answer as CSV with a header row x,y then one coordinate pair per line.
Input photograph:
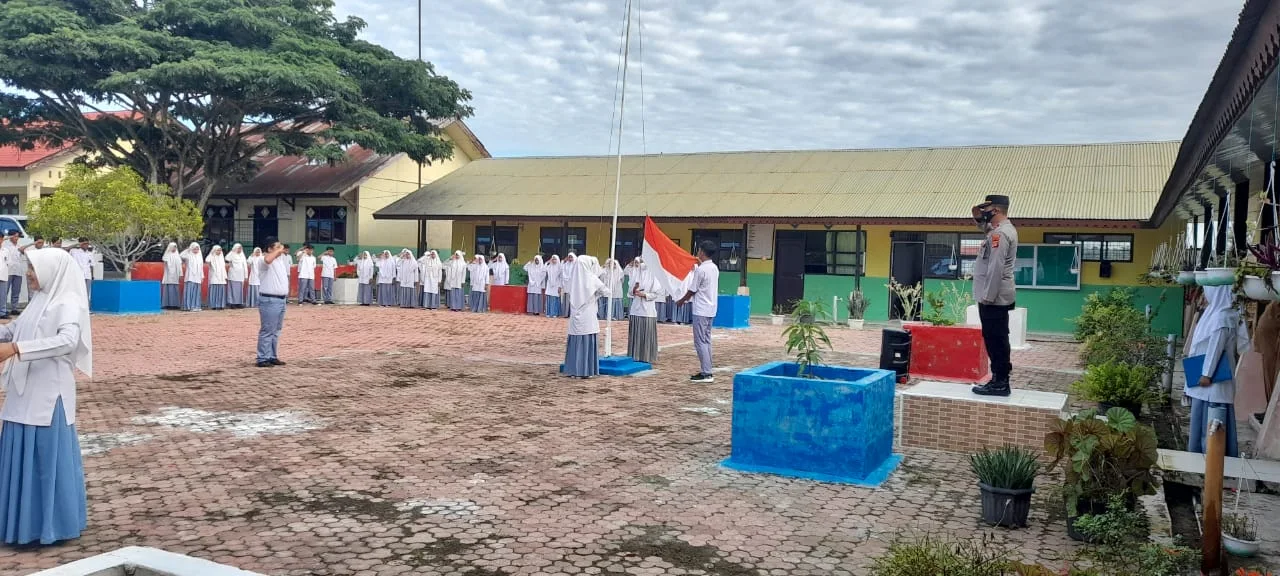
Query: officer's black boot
x,y
998,386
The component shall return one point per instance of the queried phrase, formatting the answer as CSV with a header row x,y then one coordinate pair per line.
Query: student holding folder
x,y
1213,391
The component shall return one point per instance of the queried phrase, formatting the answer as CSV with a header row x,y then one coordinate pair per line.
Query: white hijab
x,y
644,280
501,270
536,271
195,263
407,269
238,262
431,272
254,279
612,277
456,270
364,267
61,299
386,268
1219,312
582,292
172,264
217,266
479,272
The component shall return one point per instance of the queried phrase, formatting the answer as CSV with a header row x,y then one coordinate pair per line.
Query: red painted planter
x,y
508,299
949,353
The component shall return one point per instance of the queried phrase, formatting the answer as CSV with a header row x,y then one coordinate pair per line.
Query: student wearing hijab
x,y
581,356
642,338
364,276
554,286
455,274
567,270
537,274
501,270
478,274
432,272
307,275
237,271
328,272
255,277
194,260
42,488
217,265
612,277
1215,338
407,278
170,294
386,279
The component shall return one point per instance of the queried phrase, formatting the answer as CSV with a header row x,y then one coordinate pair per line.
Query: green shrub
x,y
1121,546
929,555
1097,306
1100,458
1114,383
1113,330
1009,467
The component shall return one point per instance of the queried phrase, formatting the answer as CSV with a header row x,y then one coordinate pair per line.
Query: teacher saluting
x,y
42,493
273,294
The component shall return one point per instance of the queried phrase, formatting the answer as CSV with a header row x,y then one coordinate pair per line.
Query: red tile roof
x,y
11,158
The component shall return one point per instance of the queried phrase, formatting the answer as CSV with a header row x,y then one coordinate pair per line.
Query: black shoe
x,y
702,379
265,364
276,362
993,388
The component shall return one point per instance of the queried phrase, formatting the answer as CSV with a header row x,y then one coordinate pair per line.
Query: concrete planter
x,y
125,297
836,427
856,323
949,353
508,299
732,312
346,291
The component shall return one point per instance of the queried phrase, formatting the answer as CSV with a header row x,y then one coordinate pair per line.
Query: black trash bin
x,y
895,351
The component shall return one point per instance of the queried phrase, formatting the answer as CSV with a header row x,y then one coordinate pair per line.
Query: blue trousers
x,y
15,290
326,290
271,316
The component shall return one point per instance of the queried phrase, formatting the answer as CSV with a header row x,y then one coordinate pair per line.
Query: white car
x,y
19,223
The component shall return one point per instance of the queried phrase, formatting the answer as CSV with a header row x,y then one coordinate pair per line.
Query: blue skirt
x,y
170,296
566,307
602,308
217,296
235,294
431,300
405,296
553,306
581,359
191,296
42,493
533,303
386,294
456,299
1198,435
683,314
365,295
479,300
252,302
663,311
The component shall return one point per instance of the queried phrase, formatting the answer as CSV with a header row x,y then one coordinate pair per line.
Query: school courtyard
x,y
421,442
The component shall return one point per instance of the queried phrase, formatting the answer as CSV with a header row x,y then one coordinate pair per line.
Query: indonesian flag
x,y
669,262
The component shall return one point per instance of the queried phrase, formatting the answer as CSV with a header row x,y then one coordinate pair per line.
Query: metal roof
x,y
1120,181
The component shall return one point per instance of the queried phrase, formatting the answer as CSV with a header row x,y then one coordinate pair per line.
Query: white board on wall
x,y
760,241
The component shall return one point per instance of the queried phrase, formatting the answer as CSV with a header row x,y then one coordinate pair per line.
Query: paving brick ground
x,y
439,443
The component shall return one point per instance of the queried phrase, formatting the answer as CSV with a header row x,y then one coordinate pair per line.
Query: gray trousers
x,y
702,342
271,316
15,290
306,290
326,290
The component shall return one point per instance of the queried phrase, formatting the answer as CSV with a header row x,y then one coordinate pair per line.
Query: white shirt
x,y
645,307
84,259
407,272
172,268
273,277
50,364
706,287
328,266
237,268
479,276
195,266
13,257
307,267
255,277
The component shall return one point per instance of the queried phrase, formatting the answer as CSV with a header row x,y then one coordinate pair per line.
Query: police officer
x,y
993,288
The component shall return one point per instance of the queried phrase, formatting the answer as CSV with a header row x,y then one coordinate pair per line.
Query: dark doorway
x,y
906,265
265,223
788,271
628,246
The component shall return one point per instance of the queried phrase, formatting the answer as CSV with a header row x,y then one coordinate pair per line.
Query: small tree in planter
x,y
805,337
1116,384
857,309
1006,478
947,306
123,216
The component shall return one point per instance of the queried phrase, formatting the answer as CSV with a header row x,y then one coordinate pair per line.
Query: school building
x,y
817,224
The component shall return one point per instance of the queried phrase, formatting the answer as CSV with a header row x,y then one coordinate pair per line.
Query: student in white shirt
x,y
612,277
273,273
365,268
455,275
255,277
17,269
1215,337
537,274
217,265
170,293
478,274
328,271
500,270
432,273
386,279
406,278
237,272
193,279
703,290
554,286
307,275
581,356
642,338
83,256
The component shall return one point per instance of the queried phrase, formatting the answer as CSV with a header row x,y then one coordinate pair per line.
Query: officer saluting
x,y
993,288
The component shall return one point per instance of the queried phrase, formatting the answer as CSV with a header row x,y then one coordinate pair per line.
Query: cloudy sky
x,y
783,74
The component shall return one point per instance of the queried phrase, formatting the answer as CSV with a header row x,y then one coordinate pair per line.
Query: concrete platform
x,y
139,561
1189,466
950,417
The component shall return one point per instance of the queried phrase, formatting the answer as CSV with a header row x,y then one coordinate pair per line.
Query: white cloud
x,y
774,74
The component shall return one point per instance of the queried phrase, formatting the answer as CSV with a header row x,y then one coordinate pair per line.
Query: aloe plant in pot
x,y
1006,478
857,309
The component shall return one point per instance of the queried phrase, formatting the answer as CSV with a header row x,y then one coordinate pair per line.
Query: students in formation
x,y
407,278
170,294
237,272
581,359
555,285
478,277
328,272
432,274
364,277
194,261
217,266
386,279
612,277
646,292
1215,337
536,271
255,277
307,275
455,274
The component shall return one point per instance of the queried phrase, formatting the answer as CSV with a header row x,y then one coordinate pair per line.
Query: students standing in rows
x,y
237,271
432,273
307,275
255,277
194,278
386,279
364,277
536,272
328,272
478,275
170,282
217,265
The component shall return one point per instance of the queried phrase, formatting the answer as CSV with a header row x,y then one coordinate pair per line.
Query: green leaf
x,y
1121,420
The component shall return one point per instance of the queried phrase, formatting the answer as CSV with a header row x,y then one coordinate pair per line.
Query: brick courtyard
x,y
443,443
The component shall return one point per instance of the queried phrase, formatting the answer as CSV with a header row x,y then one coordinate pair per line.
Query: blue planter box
x,y
732,311
837,427
125,297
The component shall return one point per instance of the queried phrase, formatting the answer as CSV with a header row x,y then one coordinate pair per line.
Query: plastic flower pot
x,y
856,323
1238,547
1186,278
1005,507
777,319
1217,277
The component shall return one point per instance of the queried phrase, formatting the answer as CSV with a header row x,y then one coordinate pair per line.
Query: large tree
x,y
211,83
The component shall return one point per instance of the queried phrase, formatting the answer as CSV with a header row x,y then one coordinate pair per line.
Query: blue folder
x,y
1194,365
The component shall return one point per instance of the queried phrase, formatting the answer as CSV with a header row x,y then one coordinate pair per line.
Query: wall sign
x,y
760,241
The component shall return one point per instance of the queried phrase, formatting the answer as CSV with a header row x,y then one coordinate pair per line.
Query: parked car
x,y
16,222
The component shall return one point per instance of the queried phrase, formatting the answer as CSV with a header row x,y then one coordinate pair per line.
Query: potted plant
x,y
778,317
1239,535
1101,458
811,420
1221,270
1005,478
1117,384
857,309
909,299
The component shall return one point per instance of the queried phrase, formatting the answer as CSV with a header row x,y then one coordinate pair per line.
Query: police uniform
x,y
993,290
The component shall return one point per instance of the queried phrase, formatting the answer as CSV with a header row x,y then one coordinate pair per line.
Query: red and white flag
x,y
669,263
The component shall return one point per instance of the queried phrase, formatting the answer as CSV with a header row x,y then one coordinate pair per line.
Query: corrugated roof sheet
x,y
1119,181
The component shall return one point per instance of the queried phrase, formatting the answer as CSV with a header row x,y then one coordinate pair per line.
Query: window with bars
x,y
629,245
559,241
9,204
219,225
947,255
730,257
831,253
1097,247
326,224
491,241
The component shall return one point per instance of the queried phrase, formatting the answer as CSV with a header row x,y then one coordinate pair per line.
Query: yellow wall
x,y
393,183
29,184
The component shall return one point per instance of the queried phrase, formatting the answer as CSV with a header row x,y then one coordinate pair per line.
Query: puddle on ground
x,y
445,508
92,443
242,424
708,410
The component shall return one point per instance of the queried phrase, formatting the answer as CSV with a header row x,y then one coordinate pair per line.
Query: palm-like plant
x,y
805,337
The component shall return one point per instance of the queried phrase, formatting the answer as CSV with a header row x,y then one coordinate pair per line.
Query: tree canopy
x,y
121,214
209,84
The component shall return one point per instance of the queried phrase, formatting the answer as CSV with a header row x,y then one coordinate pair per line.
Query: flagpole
x,y
617,187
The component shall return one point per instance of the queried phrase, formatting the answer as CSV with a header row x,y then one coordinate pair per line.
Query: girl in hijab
x,y
170,295
501,270
217,279
642,338
386,279
194,278
567,270
255,281
364,276
237,271
581,358
1215,337
554,285
455,275
612,277
432,272
478,272
42,490
407,276
537,274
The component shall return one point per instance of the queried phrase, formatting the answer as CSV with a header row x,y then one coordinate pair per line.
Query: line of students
x,y
13,267
419,283
233,278
547,290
